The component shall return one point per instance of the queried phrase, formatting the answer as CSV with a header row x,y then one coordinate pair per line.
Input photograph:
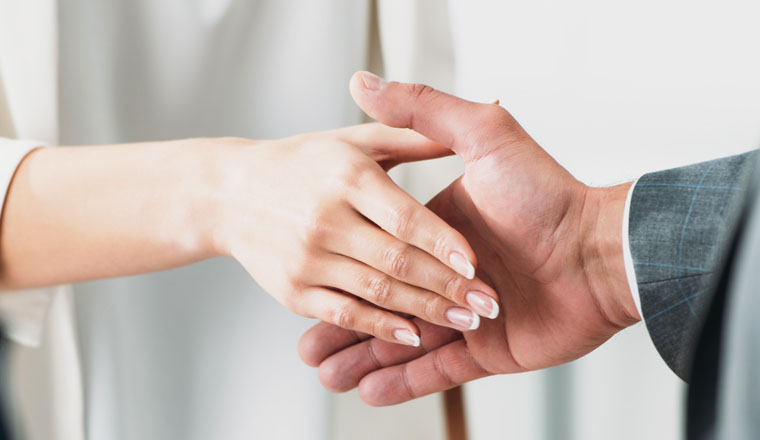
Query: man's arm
x,y
678,222
552,247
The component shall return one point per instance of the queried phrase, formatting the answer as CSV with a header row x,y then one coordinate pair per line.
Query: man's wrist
x,y
602,251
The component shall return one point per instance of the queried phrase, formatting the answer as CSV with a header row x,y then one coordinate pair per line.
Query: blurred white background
x,y
612,90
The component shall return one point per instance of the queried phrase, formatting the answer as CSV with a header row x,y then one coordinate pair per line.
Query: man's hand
x,y
548,244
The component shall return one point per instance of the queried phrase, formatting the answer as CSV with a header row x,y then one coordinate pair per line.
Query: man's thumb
x,y
465,127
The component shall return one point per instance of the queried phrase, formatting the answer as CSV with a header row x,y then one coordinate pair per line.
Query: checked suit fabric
x,y
680,221
694,236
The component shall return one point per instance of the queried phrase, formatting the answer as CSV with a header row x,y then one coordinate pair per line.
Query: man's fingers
x,y
344,369
468,128
438,370
323,340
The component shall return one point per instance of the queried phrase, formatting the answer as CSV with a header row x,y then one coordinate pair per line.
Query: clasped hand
x,y
319,224
548,244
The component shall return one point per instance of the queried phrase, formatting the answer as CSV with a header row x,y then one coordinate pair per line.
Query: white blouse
x,y
197,352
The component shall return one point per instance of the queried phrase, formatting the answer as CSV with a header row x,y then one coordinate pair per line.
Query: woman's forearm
x,y
77,213
311,218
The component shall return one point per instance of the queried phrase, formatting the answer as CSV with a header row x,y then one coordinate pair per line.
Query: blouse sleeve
x,y
22,312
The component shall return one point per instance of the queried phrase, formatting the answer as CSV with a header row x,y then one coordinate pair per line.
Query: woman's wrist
x,y
209,169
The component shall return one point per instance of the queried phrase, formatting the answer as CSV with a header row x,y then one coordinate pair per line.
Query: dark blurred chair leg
x,y
456,424
4,386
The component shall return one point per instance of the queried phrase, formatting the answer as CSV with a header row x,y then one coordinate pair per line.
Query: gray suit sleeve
x,y
677,223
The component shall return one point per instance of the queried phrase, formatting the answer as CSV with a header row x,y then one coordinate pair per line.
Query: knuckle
x,y
494,122
397,260
382,327
316,227
493,114
420,91
454,287
402,220
343,317
434,309
379,289
352,174
440,246
298,269
377,326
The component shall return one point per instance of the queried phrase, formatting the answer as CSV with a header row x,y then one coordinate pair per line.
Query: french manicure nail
x,y
483,304
372,81
463,318
406,337
460,264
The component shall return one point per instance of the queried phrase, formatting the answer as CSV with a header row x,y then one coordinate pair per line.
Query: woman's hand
x,y
313,218
318,223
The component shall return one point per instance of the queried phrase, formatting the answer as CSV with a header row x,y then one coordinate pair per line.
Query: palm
x,y
524,253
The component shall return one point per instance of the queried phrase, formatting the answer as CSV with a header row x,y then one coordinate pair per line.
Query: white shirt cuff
x,y
22,312
630,271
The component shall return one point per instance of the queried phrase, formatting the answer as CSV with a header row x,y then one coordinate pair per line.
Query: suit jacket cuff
x,y
678,221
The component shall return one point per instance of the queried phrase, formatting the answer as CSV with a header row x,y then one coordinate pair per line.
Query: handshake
x,y
549,258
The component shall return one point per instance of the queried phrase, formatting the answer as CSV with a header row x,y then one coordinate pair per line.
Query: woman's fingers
x,y
389,293
409,264
352,314
392,209
390,146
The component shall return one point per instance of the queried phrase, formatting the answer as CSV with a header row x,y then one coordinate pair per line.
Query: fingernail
x,y
483,304
372,81
460,264
463,318
406,337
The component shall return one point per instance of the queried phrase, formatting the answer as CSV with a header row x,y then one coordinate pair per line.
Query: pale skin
x,y
549,245
314,219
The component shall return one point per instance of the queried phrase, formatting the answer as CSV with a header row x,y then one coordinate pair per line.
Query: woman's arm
x,y
79,213
311,218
